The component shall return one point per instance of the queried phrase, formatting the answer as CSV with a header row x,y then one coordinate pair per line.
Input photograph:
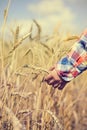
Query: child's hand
x,y
53,79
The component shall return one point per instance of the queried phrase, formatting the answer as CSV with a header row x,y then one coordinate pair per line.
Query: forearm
x,y
73,63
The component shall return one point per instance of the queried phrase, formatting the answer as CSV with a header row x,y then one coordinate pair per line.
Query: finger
x,y
62,85
55,75
56,84
52,68
51,81
48,77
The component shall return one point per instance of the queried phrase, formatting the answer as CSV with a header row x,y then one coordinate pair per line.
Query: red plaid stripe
x,y
81,60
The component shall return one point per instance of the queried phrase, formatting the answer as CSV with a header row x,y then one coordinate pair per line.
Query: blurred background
x,y
51,14
31,41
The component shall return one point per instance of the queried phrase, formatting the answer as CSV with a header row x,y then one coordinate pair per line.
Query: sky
x,y
52,15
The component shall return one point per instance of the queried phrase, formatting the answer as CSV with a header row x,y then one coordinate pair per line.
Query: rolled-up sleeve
x,y
75,62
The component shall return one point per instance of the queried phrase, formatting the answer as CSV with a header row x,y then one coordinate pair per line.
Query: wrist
x,y
59,73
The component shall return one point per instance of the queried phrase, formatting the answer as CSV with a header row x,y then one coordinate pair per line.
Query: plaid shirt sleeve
x,y
75,62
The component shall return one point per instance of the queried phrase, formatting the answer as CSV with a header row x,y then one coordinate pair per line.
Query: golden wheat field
x,y
28,103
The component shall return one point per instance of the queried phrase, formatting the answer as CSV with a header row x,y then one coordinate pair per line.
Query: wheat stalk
x,y
19,42
16,123
43,110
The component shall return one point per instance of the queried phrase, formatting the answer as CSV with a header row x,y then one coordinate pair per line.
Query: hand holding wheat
x,y
53,79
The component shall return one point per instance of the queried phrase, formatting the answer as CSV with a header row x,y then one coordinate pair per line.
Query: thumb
x,y
52,68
